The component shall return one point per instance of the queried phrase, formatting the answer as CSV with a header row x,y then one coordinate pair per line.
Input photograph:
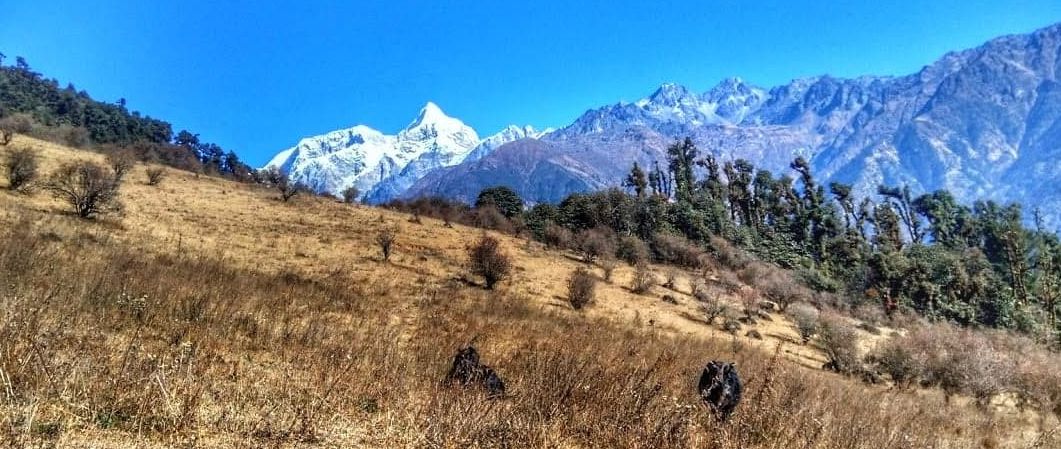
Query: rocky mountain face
x,y
983,123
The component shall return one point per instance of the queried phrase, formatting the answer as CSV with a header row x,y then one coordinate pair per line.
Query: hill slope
x,y
210,313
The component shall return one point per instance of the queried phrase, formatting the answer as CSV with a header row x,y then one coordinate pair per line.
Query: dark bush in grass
x,y
580,288
489,261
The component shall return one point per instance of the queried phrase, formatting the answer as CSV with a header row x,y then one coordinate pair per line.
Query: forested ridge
x,y
973,265
34,105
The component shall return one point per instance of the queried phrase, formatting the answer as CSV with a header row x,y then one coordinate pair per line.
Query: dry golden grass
x,y
212,314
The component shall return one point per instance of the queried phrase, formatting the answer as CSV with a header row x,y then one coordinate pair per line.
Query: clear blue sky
x,y
256,76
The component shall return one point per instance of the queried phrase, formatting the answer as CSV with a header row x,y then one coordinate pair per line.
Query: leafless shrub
x,y
805,317
677,250
608,266
893,358
840,342
385,238
643,279
86,187
6,135
557,237
155,175
729,255
776,284
487,260
596,243
120,161
671,280
713,308
21,166
580,288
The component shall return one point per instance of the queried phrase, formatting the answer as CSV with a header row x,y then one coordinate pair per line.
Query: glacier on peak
x,y
382,166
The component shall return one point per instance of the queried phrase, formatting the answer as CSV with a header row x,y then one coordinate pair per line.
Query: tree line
x,y
973,265
34,105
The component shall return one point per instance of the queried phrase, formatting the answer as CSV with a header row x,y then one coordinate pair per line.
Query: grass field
x,y
211,314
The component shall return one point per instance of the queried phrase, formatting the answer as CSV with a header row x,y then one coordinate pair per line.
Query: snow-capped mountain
x,y
983,123
383,166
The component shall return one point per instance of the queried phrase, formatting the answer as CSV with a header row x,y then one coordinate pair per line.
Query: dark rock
x,y
467,371
670,299
754,334
720,388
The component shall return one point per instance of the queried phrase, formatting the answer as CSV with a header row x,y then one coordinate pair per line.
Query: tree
x,y
350,195
681,157
85,186
273,177
487,260
903,203
637,181
506,200
21,165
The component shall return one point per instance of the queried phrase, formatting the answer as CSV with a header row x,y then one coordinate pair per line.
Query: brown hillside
x,y
209,313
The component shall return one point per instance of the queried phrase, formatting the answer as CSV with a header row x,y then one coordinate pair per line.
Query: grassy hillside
x,y
209,313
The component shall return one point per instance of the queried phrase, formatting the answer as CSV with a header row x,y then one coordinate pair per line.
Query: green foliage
x,y
32,104
506,200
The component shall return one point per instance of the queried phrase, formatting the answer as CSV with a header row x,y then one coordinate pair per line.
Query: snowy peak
x,y
384,165
429,115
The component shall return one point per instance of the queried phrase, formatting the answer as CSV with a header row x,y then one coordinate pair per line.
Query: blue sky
x,y
256,76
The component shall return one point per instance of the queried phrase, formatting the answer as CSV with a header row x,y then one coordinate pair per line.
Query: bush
x,y
805,317
608,265
6,135
677,250
87,187
643,280
632,250
489,217
487,260
21,165
120,162
385,239
774,283
155,175
840,342
958,361
580,288
595,243
729,255
350,195
713,307
897,361
557,237
20,123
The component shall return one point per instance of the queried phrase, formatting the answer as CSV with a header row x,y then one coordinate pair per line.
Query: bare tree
x,y
85,186
282,183
120,162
